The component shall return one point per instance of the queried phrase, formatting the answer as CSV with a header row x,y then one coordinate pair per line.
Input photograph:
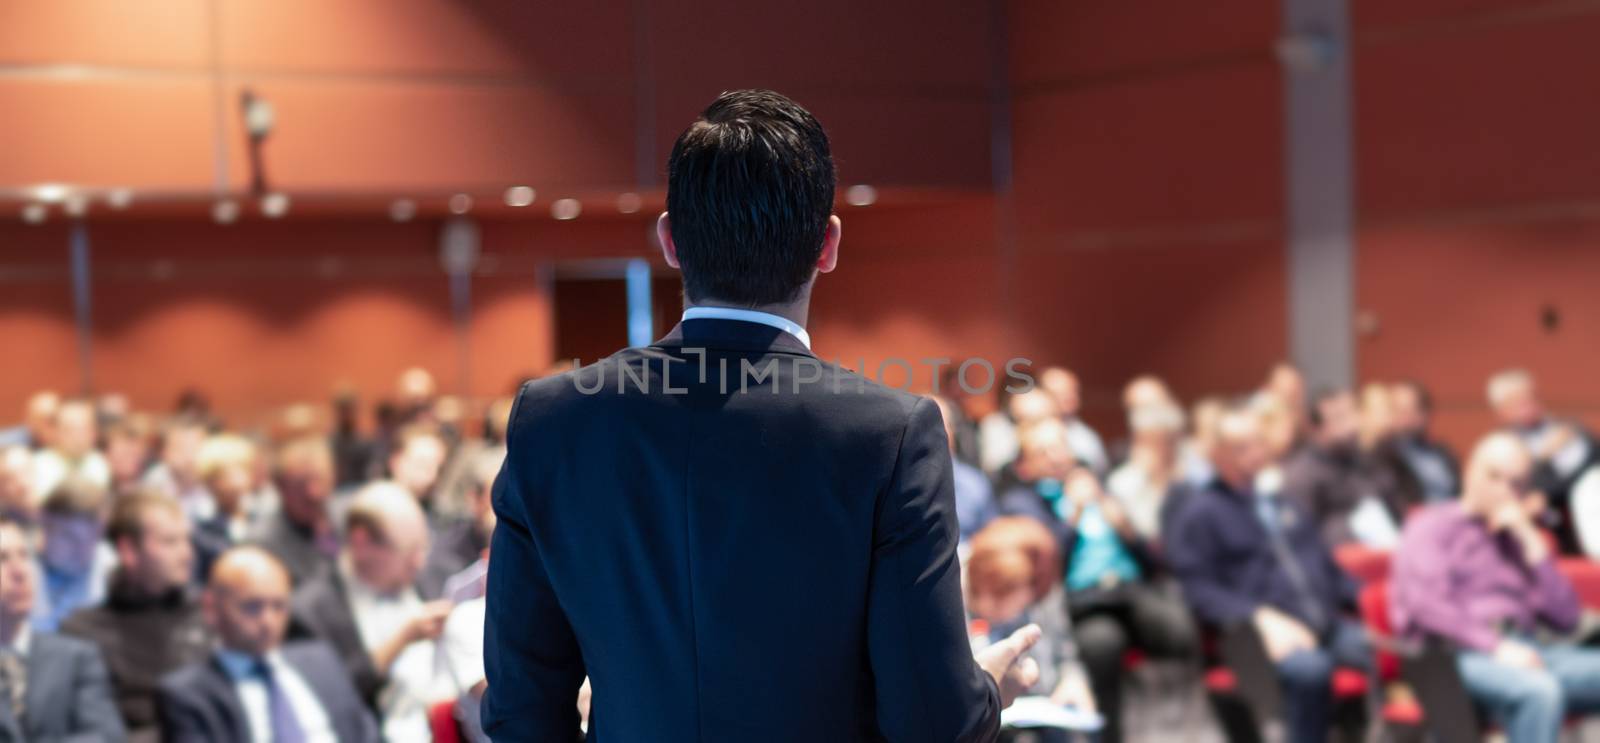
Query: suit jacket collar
x,y
219,685
732,335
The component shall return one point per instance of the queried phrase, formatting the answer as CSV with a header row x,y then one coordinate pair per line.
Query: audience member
x,y
1151,477
1014,579
225,464
1328,480
419,453
254,683
370,611
128,452
1287,384
975,504
301,533
40,419
150,623
1245,559
177,474
353,452
997,432
1562,450
1432,463
1085,443
462,542
17,497
73,454
1480,574
52,688
74,563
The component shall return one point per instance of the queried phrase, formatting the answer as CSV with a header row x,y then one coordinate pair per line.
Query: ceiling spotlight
x,y
861,195
35,213
565,209
50,193
520,196
225,211
119,198
275,205
629,203
460,204
402,210
75,206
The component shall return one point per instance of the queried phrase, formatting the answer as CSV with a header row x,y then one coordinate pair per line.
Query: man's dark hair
x,y
1424,398
1318,398
749,190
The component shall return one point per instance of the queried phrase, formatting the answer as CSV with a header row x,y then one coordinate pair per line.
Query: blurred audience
x,y
52,688
1248,559
1113,602
253,681
355,524
150,622
1482,575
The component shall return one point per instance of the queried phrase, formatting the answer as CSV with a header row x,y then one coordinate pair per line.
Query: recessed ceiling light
x,y
629,203
520,196
402,210
460,204
225,211
565,209
861,195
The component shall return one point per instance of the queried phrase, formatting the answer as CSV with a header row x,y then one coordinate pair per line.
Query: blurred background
x,y
254,199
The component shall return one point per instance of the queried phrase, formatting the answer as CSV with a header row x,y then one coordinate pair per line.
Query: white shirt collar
x,y
22,641
756,316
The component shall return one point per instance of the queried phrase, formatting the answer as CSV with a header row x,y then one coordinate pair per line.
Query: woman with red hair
x,y
1014,578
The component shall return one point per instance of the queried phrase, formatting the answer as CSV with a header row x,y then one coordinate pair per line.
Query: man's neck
x,y
795,312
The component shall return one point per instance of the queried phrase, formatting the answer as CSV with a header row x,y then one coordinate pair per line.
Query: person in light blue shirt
x,y
75,565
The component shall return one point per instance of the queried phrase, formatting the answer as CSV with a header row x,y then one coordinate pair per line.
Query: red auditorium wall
x,y
1148,177
1478,200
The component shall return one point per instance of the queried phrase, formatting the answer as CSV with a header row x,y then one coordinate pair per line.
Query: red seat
x,y
1220,680
1366,564
1585,577
442,718
1403,712
1349,683
1374,602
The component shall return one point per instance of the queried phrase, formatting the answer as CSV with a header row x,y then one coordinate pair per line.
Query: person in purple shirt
x,y
1480,574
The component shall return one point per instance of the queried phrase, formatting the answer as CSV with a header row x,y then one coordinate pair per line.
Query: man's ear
x,y
669,249
830,244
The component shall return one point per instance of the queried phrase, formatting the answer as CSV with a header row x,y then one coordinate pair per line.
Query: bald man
x,y
370,610
1479,573
256,689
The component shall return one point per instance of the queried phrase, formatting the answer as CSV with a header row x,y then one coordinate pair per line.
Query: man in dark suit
x,y
731,538
255,689
51,687
301,533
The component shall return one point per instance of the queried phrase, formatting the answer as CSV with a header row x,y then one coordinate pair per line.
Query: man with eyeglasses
x,y
1480,574
254,688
